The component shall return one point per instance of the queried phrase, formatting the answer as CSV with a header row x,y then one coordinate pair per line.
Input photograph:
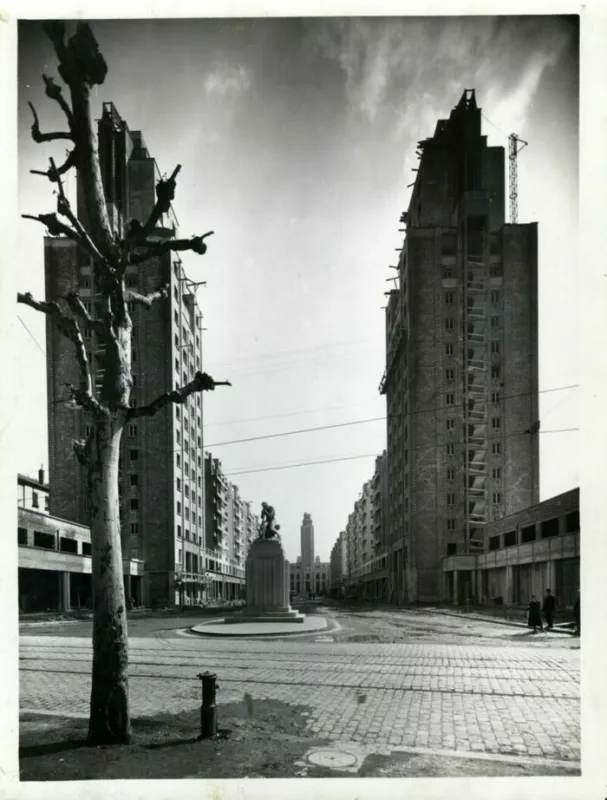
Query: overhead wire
x,y
374,455
378,419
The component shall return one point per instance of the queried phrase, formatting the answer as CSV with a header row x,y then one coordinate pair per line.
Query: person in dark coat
x,y
548,609
535,618
576,614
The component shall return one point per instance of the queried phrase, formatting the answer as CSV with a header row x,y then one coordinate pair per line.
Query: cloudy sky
x,y
297,140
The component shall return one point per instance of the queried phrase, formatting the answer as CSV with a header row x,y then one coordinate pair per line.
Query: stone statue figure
x,y
268,528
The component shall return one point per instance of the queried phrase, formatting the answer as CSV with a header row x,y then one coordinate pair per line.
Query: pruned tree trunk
x,y
109,716
82,66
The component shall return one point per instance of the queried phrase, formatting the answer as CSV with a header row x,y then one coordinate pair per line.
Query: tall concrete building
x,y
307,542
461,376
161,465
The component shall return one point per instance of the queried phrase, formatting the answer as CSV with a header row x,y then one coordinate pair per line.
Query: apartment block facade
x,y
359,558
461,377
161,464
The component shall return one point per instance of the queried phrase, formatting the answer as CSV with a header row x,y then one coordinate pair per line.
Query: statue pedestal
x,y
267,586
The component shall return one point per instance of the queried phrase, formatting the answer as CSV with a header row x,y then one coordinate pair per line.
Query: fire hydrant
x,y
208,709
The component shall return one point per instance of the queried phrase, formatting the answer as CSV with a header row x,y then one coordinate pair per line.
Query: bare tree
x,y
82,66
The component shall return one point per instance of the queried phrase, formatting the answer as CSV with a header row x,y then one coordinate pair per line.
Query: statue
x,y
268,528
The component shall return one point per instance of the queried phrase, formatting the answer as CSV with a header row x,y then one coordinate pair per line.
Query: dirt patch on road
x,y
263,741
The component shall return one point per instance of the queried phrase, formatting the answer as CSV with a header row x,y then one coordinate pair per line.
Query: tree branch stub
x,y
201,383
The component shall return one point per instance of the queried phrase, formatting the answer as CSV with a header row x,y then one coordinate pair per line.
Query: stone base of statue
x,y
267,586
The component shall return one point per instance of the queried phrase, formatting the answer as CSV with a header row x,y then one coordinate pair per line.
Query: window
x,y
178,484
449,324
496,448
550,528
134,504
450,498
496,423
495,322
21,535
177,412
495,348
496,473
86,548
35,499
187,490
451,524
450,424
132,430
450,449
510,539
176,340
178,507
131,281
133,479
178,460
449,374
528,534
450,474
46,540
497,498
447,272
451,548
494,543
448,298
134,356
495,271
133,455
495,373
178,437
495,297
85,283
87,431
179,531
448,349
495,398
176,365
176,317
134,529
572,522
450,398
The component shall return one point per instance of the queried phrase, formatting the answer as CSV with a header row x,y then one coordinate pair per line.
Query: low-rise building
x,y
54,561
524,554
310,581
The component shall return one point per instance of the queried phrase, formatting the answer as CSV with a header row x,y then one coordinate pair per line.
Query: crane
x,y
513,151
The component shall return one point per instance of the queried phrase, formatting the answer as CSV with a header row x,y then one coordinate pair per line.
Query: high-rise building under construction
x,y
461,378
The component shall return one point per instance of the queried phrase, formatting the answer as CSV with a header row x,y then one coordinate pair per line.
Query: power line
x,y
300,430
290,414
277,353
377,419
37,343
374,455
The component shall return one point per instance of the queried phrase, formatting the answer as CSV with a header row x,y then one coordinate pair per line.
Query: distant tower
x,y
307,541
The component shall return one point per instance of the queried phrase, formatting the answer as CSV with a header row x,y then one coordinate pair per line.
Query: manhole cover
x,y
335,759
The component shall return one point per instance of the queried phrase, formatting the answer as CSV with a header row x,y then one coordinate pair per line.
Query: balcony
x,y
476,287
476,365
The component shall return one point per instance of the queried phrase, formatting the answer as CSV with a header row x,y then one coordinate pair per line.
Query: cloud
x,y
418,68
225,79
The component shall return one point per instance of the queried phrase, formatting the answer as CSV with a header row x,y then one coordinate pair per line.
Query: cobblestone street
x,y
494,699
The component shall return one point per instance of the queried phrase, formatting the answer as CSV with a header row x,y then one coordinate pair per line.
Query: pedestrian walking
x,y
576,614
535,618
548,609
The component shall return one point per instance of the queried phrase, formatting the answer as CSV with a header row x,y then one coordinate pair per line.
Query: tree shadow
x,y
30,751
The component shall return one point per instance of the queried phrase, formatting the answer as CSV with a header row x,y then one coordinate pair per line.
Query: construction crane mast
x,y
513,152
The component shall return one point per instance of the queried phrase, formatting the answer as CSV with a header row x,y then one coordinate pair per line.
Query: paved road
x,y
494,695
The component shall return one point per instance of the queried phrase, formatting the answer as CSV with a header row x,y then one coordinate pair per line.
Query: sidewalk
x,y
516,621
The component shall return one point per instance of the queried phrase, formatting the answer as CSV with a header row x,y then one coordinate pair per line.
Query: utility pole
x,y
513,152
